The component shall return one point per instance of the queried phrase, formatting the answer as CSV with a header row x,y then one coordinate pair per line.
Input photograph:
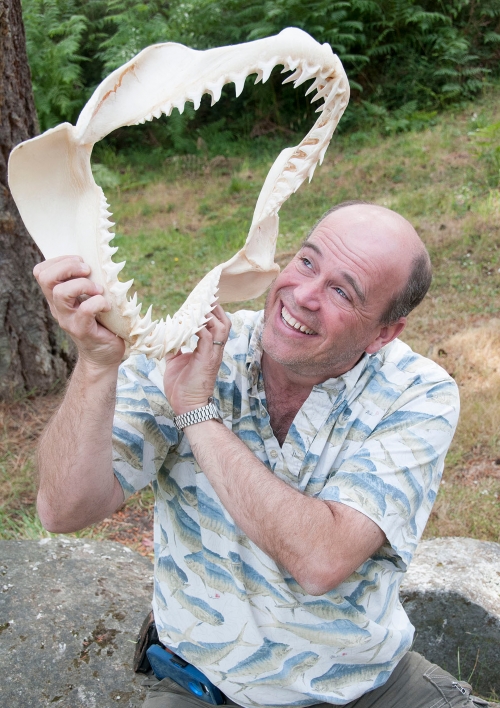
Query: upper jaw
x,y
292,321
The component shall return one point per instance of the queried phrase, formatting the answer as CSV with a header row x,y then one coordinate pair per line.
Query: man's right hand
x,y
77,486
64,281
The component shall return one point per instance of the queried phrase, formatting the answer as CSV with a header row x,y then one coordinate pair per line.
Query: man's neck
x,y
283,378
285,393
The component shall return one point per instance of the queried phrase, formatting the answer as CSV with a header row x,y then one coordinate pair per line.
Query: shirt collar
x,y
254,355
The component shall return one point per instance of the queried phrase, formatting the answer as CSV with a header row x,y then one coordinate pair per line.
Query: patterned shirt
x,y
374,438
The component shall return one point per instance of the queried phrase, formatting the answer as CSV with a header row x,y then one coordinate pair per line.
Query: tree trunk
x,y
34,353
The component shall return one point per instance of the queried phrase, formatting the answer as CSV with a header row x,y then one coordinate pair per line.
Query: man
x,y
281,535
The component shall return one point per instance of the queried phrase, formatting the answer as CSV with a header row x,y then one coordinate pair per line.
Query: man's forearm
x,y
299,532
77,486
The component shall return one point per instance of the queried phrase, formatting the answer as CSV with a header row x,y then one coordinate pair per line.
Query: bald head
x,y
384,232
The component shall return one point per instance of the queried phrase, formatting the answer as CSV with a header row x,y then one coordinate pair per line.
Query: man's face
x,y
324,309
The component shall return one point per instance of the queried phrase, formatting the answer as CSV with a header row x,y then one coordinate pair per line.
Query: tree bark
x,y
34,353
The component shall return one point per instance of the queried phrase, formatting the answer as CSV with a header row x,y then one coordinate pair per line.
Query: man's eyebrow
x,y
310,244
348,277
354,285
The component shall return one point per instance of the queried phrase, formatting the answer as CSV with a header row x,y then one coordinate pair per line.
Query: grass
x,y
176,221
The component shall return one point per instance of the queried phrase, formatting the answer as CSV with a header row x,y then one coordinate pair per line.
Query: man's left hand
x,y
189,378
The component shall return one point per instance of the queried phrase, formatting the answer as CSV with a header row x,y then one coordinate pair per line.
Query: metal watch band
x,y
199,415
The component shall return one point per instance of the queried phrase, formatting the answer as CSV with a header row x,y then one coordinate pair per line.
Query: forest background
x,y
421,135
405,60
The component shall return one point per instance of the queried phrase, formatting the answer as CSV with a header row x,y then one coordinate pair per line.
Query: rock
x,y
70,611
452,596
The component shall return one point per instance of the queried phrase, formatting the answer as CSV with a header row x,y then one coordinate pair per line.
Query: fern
x,y
397,53
53,38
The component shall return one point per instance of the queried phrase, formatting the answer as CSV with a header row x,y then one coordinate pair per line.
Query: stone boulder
x,y
70,611
452,596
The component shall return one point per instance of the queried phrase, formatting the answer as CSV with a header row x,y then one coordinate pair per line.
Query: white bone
x,y
120,289
112,270
196,99
239,85
109,251
215,90
294,76
307,73
316,84
106,237
106,223
267,69
66,212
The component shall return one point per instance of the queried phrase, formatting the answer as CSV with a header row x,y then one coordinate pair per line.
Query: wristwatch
x,y
199,415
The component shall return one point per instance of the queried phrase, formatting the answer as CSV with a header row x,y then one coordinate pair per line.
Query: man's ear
x,y
386,334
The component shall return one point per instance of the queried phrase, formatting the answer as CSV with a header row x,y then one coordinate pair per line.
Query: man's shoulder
x,y
399,359
403,377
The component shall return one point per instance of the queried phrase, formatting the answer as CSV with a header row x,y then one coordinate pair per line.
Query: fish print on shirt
x,y
374,439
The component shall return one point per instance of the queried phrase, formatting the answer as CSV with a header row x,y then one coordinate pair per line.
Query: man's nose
x,y
308,294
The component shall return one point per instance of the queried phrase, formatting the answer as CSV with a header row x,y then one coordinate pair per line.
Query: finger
x,y
94,305
219,325
84,319
170,355
43,265
175,365
218,315
211,354
76,317
59,271
205,344
65,295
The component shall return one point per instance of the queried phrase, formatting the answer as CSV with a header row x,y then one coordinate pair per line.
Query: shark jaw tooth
x,y
132,309
239,85
267,69
195,99
71,214
120,289
215,90
112,269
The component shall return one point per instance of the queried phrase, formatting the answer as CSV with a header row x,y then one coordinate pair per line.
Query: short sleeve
x,y
394,476
143,429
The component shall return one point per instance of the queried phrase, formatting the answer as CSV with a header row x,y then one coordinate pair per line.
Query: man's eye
x,y
306,262
341,293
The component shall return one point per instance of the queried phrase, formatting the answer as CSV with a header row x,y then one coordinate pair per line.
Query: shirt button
x,y
274,453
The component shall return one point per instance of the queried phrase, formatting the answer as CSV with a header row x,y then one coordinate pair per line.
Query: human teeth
x,y
293,322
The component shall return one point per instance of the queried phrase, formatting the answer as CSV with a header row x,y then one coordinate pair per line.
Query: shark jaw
x,y
67,213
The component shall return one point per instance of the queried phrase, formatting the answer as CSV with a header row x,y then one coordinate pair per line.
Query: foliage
x,y
487,140
405,59
73,44
54,36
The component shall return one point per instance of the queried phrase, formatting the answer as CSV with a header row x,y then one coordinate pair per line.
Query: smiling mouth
x,y
292,322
